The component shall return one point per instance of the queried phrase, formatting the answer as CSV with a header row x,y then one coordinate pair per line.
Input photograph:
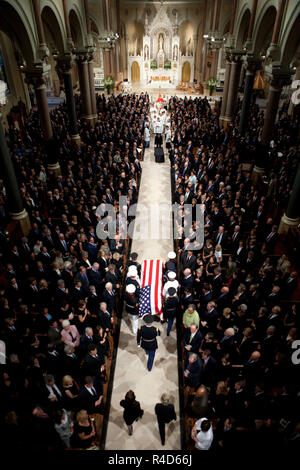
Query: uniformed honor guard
x,y
171,282
133,278
171,264
132,306
170,308
146,338
133,262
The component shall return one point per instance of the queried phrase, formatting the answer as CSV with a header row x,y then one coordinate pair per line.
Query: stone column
x,y
218,12
106,62
87,18
64,71
249,81
67,20
252,20
92,87
15,203
212,15
202,31
43,110
232,19
84,82
37,79
38,21
235,71
292,216
278,21
279,78
225,89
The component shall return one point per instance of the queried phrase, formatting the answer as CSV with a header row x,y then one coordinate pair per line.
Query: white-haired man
x,y
108,296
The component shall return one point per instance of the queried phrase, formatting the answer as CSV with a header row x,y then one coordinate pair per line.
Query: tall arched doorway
x,y
135,72
186,72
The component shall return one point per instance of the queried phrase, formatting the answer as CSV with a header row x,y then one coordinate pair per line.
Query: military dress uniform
x,y
132,306
170,308
146,338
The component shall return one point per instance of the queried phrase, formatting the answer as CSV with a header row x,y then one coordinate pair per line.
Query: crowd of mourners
x,y
60,285
238,322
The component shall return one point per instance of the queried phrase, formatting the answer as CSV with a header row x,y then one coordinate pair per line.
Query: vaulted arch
x,y
242,32
76,29
14,22
54,31
264,30
291,40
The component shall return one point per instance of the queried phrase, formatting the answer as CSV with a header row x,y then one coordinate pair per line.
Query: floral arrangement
x,y
108,83
167,64
153,64
211,84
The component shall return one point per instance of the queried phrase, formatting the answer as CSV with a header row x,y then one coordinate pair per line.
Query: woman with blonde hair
x,y
70,393
165,413
84,434
218,254
220,399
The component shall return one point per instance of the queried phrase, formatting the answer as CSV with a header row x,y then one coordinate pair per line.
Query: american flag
x,y
151,287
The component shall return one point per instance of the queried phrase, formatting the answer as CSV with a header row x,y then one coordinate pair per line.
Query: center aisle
x,y
130,370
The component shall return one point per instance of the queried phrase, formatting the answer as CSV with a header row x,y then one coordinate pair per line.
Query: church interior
x,y
150,225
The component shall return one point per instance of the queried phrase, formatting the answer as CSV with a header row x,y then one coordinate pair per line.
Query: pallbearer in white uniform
x,y
172,282
132,306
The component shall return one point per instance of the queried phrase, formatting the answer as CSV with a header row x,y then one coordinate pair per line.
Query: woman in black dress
x,y
132,410
84,433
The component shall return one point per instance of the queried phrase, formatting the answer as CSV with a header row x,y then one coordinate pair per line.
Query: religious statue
x,y
161,42
175,52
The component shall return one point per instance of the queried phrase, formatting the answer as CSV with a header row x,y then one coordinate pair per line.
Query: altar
x,y
160,61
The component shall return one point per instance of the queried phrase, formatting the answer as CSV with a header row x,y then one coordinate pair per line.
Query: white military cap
x,y
171,275
172,255
132,270
130,288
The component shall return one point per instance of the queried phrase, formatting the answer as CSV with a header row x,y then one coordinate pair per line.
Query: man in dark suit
x,y
105,317
92,249
205,297
94,363
78,292
95,277
217,282
86,339
187,299
108,296
210,317
165,413
91,395
224,300
187,281
188,260
290,283
221,237
93,301
272,237
192,370
209,368
70,362
192,339
62,245
83,277
235,239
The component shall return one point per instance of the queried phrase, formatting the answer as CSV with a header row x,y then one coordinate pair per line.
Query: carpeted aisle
x,y
131,371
